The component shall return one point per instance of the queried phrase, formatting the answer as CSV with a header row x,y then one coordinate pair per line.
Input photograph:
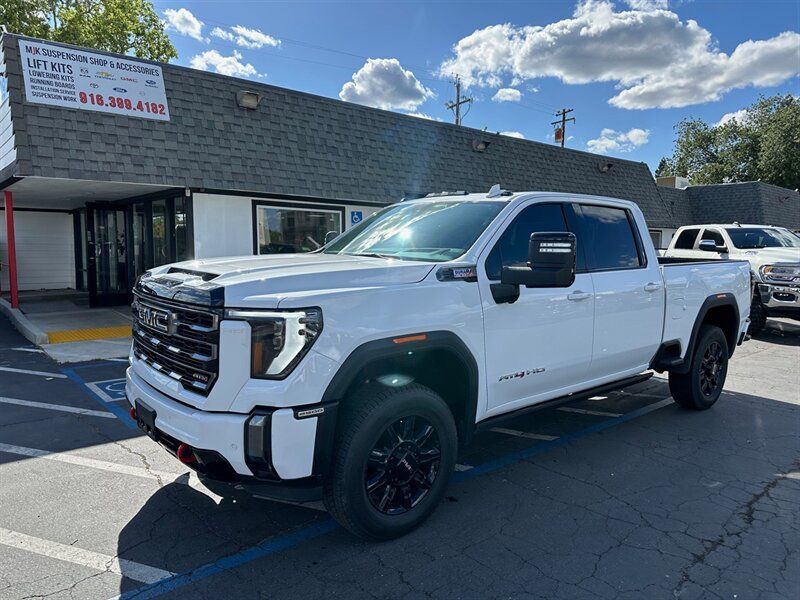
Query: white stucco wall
x,y
223,224
45,244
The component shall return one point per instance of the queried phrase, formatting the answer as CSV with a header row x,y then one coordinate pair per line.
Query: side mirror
x,y
330,236
711,246
551,262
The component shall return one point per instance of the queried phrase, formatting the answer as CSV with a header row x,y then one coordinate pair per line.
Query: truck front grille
x,y
178,340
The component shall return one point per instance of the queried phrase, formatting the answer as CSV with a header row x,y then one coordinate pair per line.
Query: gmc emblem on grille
x,y
154,318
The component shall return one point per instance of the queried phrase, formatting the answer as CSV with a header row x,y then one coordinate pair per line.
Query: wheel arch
x,y
720,310
437,359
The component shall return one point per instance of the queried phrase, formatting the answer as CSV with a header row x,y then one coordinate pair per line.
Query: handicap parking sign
x,y
356,216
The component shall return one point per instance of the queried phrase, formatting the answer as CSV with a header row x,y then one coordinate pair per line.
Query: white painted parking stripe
x,y
524,434
36,350
583,411
58,407
161,477
86,558
39,373
460,467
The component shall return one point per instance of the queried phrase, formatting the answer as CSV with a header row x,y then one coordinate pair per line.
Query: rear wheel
x,y
394,454
700,387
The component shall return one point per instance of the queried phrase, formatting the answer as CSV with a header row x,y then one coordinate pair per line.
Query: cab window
x,y
715,236
512,247
686,239
609,237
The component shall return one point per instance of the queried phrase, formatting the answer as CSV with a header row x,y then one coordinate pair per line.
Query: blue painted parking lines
x,y
120,412
110,390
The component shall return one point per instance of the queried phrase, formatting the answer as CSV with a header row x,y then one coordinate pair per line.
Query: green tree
x,y
763,144
122,26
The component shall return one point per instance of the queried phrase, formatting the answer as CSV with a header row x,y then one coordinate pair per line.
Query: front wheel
x,y
700,388
394,454
758,316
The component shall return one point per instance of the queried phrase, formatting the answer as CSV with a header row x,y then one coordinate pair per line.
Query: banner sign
x,y
88,81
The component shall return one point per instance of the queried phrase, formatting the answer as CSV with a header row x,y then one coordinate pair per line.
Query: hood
x,y
771,256
264,280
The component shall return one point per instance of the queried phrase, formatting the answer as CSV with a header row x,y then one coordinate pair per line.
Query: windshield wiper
x,y
374,255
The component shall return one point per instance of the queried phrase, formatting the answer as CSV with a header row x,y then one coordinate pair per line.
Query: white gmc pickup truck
x,y
356,372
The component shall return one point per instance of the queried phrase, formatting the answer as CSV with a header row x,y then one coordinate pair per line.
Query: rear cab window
x,y
610,238
686,239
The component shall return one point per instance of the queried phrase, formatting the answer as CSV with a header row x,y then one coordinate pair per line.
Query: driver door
x,y
540,345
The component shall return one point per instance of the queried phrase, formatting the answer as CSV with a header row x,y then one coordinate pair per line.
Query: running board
x,y
583,395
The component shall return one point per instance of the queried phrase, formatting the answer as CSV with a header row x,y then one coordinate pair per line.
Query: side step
x,y
596,391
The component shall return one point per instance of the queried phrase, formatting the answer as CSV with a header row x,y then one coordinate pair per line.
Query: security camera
x,y
605,167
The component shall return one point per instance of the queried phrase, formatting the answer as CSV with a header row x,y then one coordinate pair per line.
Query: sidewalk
x,y
69,331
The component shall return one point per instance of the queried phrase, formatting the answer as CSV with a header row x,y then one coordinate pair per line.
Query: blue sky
x,y
631,69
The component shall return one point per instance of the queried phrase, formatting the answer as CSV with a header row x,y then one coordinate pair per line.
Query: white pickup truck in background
x,y
355,373
773,254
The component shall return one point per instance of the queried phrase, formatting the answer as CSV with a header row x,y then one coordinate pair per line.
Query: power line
x,y
562,131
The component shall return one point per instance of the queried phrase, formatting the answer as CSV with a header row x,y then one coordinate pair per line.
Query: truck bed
x,y
689,282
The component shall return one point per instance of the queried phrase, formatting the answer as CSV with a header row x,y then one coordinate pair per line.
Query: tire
x,y
365,447
700,388
758,317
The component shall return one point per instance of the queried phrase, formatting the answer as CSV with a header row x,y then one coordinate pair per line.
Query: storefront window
x,y
160,248
181,230
283,230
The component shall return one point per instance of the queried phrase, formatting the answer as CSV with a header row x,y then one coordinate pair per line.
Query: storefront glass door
x,y
107,259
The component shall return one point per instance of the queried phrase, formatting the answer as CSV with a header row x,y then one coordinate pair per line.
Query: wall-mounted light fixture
x,y
605,167
480,145
248,99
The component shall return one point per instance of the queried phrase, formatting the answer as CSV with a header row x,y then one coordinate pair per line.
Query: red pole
x,y
12,251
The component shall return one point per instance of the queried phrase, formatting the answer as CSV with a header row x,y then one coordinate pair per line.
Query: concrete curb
x,y
23,324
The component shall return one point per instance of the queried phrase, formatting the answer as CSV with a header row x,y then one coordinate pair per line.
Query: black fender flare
x,y
400,345
717,300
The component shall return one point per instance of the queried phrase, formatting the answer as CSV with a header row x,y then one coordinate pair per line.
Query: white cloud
x,y
740,116
648,4
245,37
618,141
656,60
384,83
253,38
514,134
184,22
211,60
507,95
422,115
220,33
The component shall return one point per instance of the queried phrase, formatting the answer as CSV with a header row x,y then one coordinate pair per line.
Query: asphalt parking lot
x,y
619,496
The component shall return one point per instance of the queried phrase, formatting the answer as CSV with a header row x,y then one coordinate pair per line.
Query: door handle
x,y
653,286
579,295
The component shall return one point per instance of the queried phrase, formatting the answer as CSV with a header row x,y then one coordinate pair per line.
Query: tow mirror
x,y
711,246
551,262
330,236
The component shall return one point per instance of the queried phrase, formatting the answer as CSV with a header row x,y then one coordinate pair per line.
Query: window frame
x,y
637,239
311,207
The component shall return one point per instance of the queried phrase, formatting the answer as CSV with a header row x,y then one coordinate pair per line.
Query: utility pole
x,y
456,106
562,130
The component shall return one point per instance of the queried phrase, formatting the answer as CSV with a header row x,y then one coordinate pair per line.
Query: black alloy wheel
x,y
711,368
403,465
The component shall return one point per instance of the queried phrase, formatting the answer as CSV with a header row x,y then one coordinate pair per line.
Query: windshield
x,y
428,231
750,238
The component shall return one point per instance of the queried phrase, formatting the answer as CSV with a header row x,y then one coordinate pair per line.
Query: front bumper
x,y
780,298
297,446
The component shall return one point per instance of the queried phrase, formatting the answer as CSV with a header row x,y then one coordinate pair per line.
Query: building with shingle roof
x,y
195,164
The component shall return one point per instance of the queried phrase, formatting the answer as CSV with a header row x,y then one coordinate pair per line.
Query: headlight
x,y
786,274
279,339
